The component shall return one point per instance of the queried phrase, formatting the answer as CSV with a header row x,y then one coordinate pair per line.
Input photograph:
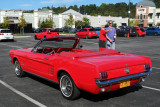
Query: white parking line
x,y
155,68
151,88
10,45
21,36
23,95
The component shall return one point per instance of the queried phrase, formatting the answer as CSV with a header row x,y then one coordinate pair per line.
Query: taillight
x,y
146,67
12,34
1,34
130,30
103,76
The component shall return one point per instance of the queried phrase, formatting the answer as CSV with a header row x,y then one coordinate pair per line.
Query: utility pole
x,y
129,12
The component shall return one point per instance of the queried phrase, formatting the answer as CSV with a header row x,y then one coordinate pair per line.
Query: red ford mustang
x,y
87,33
62,61
46,32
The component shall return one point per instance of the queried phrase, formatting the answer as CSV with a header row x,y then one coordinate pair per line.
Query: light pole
x,y
129,12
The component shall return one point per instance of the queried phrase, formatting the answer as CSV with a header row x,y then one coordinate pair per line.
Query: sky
x,y
35,4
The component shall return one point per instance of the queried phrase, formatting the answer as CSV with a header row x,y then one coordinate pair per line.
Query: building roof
x,y
146,3
71,11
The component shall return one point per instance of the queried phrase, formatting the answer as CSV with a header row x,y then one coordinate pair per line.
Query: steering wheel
x,y
53,51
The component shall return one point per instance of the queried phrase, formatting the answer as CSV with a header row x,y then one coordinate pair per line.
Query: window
x,y
144,17
150,16
138,16
141,16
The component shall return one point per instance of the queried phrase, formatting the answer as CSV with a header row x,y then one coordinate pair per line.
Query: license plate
x,y
7,37
125,84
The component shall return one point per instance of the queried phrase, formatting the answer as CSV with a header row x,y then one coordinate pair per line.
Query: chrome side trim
x,y
114,81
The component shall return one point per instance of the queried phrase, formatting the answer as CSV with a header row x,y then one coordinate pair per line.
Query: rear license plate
x,y
7,37
125,84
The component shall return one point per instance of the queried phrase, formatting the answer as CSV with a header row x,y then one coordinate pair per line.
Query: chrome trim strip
x,y
114,81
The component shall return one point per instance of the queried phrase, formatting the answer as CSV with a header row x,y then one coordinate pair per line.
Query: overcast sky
x,y
35,4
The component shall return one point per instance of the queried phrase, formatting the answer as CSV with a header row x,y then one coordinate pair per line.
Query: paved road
x,y
31,91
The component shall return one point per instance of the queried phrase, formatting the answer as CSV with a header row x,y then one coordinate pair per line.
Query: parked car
x,y
68,30
97,29
59,29
57,59
6,34
78,28
141,32
46,32
86,33
121,32
153,31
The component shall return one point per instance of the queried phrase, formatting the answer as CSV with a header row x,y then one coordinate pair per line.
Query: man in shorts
x,y
111,36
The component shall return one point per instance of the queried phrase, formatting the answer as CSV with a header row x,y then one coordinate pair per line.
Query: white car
x,y
6,34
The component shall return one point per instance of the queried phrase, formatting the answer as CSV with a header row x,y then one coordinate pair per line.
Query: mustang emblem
x,y
127,70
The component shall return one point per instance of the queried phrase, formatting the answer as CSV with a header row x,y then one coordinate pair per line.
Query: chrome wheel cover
x,y
17,68
66,86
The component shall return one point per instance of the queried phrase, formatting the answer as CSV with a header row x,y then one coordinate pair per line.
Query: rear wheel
x,y
156,34
87,37
67,87
18,70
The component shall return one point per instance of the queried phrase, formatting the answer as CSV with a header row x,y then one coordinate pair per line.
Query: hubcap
x,y
66,86
17,68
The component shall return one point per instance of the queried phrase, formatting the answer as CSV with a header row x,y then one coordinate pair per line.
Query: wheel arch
x,y
66,71
14,59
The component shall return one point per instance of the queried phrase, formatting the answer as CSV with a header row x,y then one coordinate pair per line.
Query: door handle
x,y
46,58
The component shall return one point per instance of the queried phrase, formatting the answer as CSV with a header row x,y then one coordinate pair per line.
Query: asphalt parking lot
x,y
32,91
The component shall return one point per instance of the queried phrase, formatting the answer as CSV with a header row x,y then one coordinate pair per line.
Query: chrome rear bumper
x,y
114,81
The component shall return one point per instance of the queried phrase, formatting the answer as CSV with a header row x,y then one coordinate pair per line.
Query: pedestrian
x,y
111,36
102,38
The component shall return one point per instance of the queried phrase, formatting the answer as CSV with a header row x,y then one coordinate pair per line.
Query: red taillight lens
x,y
146,67
130,30
1,34
103,76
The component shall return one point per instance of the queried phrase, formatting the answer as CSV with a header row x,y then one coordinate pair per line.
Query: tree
x,y
22,24
78,23
5,23
39,23
86,21
70,21
134,22
48,23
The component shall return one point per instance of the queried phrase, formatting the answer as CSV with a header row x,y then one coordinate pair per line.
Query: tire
x,y
18,70
35,37
156,34
87,37
70,93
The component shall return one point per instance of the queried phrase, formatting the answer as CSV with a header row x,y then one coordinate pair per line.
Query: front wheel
x,y
156,34
18,70
67,87
87,37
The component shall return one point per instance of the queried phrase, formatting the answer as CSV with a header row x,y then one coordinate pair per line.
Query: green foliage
x,y
86,21
157,2
48,23
69,22
5,23
78,23
22,24
134,23
118,9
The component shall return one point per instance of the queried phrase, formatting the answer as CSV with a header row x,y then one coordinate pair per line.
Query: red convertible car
x,y
61,60
87,33
46,32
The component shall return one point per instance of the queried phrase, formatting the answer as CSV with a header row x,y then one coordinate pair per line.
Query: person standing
x,y
111,36
102,38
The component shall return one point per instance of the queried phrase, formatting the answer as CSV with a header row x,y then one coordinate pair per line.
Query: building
x,y
59,20
147,13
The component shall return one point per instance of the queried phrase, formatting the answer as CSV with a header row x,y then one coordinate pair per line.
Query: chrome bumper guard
x,y
114,81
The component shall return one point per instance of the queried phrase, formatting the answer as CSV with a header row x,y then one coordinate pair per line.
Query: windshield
x,y
91,29
57,44
6,31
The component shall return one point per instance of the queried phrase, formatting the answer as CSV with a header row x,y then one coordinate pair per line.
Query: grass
x,y
20,35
